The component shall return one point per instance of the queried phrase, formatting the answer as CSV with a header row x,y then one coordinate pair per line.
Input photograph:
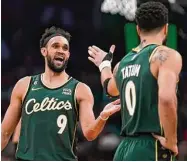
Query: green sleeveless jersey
x,y
138,93
49,122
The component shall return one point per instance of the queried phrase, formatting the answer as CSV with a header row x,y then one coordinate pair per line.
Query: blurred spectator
x,y
5,51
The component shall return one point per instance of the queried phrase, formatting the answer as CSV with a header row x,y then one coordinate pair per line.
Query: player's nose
x,y
60,50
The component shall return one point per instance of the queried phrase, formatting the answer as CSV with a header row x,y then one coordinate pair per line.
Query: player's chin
x,y
58,70
59,67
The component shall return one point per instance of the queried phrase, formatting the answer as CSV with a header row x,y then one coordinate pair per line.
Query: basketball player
x,y
146,80
50,105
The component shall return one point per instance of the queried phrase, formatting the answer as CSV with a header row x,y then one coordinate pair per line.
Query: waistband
x,y
142,135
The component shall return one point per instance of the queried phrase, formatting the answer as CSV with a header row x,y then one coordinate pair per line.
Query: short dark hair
x,y
151,16
51,32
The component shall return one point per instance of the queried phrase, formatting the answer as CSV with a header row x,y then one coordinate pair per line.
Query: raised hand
x,y
97,55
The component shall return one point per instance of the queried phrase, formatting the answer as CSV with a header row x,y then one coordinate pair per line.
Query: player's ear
x,y
166,29
68,54
43,51
138,29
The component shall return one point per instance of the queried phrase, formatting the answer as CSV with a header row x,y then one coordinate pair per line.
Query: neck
x,y
146,40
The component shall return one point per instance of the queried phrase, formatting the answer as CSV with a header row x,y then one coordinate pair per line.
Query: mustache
x,y
59,54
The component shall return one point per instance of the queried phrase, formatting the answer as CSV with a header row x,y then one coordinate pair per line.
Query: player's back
x,y
49,121
138,93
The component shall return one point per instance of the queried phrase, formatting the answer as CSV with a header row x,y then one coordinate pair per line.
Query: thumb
x,y
158,137
112,48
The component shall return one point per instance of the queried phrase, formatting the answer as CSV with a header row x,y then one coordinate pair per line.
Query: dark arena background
x,y
90,22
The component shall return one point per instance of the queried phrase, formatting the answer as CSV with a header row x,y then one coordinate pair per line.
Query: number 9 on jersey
x,y
61,123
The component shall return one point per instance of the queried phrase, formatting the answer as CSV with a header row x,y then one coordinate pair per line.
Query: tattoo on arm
x,y
161,56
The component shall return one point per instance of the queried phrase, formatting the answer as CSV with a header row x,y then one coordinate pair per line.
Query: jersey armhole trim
x,y
75,99
153,52
28,89
77,118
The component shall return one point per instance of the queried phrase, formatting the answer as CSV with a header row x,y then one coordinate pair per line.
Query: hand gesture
x,y
110,109
97,55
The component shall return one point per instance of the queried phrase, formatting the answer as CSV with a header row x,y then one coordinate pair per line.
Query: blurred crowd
x,y
23,22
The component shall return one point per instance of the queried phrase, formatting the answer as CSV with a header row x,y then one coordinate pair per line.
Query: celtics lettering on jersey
x,y
46,105
49,105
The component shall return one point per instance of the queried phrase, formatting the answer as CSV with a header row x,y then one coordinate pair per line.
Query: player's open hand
x,y
167,145
97,55
110,109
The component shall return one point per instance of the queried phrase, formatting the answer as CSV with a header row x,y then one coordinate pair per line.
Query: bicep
x,y
168,75
13,112
16,135
86,102
167,81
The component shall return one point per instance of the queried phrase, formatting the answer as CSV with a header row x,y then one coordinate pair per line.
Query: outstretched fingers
x,y
97,49
91,59
90,48
91,53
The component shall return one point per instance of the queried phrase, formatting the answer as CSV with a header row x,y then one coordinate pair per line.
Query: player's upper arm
x,y
112,87
86,101
13,112
16,135
169,64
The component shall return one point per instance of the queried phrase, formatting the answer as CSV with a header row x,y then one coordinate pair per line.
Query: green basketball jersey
x,y
138,93
49,122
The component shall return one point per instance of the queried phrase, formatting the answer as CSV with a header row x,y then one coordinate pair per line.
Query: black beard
x,y
55,69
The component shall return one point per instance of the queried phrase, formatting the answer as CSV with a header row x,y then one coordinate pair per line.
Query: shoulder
x,y
83,91
166,59
164,54
83,88
22,85
116,68
24,80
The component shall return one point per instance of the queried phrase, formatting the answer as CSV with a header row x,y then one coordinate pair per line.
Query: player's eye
x,y
65,48
55,46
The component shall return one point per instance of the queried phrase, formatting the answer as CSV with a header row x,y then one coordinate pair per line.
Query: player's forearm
x,y
168,117
105,74
4,139
95,128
